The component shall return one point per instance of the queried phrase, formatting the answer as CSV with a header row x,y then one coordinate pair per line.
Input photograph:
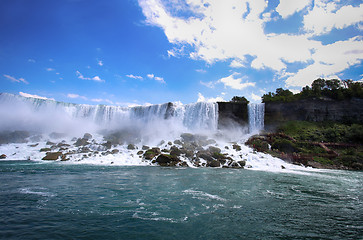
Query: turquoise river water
x,y
41,200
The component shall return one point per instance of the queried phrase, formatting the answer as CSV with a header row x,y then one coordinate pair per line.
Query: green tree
x,y
240,99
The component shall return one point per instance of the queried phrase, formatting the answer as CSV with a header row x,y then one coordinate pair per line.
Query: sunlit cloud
x,y
13,79
34,96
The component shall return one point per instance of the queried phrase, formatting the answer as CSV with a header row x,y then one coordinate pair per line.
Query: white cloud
x,y
72,95
255,97
50,69
201,98
31,60
235,83
159,79
287,7
134,77
201,70
100,63
208,84
327,15
234,31
13,79
95,78
34,96
327,64
98,100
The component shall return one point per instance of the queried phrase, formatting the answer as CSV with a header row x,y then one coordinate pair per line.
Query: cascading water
x,y
256,116
38,112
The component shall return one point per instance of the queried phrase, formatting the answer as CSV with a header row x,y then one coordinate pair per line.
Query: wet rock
x,y
52,156
81,142
49,143
144,147
165,151
44,150
107,145
84,150
187,137
34,145
3,156
206,155
131,147
212,149
170,143
175,151
87,136
236,147
214,163
178,142
140,152
63,145
242,163
161,142
114,151
151,153
167,160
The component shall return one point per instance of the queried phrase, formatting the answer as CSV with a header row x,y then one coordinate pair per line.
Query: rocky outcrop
x,y
315,110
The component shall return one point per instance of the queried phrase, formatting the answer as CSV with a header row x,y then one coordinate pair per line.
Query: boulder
x,y
107,145
52,156
87,136
178,142
81,142
140,152
33,145
3,156
242,163
144,147
187,137
44,150
175,151
131,147
167,160
236,147
214,163
212,150
114,151
151,153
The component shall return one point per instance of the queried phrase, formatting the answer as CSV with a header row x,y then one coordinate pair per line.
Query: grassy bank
x,y
318,144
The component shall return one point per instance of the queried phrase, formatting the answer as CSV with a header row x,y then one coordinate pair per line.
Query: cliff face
x,y
232,113
314,110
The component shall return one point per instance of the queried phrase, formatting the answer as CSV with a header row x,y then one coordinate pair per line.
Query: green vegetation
x,y
239,100
320,88
318,144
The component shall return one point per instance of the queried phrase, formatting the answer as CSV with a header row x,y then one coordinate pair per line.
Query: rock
x,y
3,156
81,142
214,163
84,150
187,137
52,156
87,136
151,153
242,163
283,167
212,149
45,150
107,145
170,143
114,151
236,147
131,147
145,147
63,145
206,155
34,145
178,142
167,160
140,152
50,143
175,151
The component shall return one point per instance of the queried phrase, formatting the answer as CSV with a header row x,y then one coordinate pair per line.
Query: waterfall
x,y
39,114
256,116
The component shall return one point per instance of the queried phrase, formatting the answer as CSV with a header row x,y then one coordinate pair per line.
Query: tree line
x,y
320,88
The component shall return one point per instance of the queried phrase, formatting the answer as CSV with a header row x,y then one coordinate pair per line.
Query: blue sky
x,y
126,52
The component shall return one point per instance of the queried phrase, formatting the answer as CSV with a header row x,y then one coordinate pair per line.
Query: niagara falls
x,y
181,119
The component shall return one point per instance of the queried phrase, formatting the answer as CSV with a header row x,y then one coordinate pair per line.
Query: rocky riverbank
x,y
192,150
327,145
